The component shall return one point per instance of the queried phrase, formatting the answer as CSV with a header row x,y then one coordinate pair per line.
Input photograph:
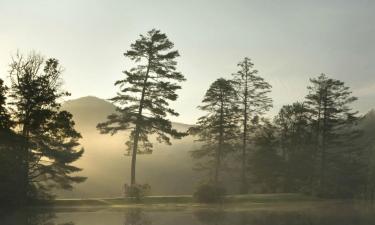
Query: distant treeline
x,y
313,146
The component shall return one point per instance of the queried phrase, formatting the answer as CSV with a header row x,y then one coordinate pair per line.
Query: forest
x,y
317,146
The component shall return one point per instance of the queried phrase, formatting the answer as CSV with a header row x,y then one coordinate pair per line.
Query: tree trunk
x,y
137,128
324,146
134,156
221,142
25,163
244,188
244,185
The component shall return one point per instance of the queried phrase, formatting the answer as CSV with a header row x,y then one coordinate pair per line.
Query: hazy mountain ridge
x,y
168,170
90,110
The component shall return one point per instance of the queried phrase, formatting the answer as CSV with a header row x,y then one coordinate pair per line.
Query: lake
x,y
250,214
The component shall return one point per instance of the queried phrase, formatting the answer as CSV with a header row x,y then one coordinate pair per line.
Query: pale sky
x,y
289,41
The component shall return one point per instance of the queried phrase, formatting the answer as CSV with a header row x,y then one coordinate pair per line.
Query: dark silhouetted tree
x,y
253,101
145,93
51,141
333,120
218,129
9,166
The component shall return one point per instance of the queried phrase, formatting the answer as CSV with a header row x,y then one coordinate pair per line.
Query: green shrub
x,y
137,191
209,193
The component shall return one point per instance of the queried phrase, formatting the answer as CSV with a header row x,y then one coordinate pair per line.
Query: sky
x,y
288,41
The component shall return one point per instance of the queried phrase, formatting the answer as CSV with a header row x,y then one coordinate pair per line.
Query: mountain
x,y
168,170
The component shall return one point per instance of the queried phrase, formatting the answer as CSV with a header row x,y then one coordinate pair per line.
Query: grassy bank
x,y
182,199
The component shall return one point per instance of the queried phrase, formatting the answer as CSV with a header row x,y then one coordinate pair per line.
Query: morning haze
x,y
188,112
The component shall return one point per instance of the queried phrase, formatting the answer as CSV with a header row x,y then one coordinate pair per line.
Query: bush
x,y
137,191
209,193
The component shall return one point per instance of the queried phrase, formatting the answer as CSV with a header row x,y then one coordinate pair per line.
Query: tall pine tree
x,y
145,93
218,129
333,120
253,101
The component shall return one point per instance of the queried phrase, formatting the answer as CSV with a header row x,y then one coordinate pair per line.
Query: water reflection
x,y
31,217
210,217
136,216
334,215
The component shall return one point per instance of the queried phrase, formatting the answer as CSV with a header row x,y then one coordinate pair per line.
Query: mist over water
x,y
187,112
275,214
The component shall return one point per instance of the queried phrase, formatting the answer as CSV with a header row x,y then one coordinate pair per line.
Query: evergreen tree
x,y
333,120
51,141
217,130
145,93
253,101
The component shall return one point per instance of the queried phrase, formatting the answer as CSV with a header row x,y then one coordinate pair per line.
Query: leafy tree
x,y
253,92
51,141
295,138
218,128
333,122
145,93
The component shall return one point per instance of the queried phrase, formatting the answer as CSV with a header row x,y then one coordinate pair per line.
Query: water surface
x,y
252,214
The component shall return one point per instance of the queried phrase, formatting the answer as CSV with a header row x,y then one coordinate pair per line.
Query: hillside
x,y
168,170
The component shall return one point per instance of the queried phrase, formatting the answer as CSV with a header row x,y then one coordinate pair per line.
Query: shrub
x,y
209,193
137,191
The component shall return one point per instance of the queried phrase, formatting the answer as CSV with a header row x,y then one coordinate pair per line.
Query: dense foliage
x,y
209,193
315,146
40,140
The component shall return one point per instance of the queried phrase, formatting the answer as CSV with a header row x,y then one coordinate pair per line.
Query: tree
x,y
145,93
333,119
266,165
51,142
8,155
5,120
218,128
253,101
295,139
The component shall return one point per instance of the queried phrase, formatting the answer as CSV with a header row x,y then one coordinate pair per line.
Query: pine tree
x,y
218,129
145,93
253,101
51,141
333,120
